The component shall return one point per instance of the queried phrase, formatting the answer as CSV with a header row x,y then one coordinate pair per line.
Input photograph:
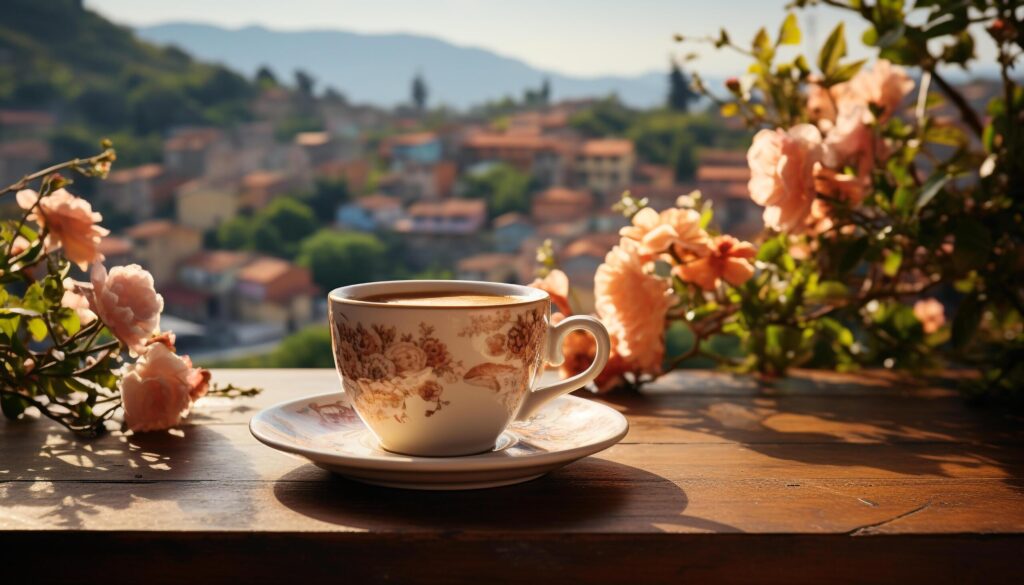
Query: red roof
x,y
194,139
723,173
596,245
377,202
115,246
564,196
140,173
216,261
485,262
523,141
449,207
413,139
26,118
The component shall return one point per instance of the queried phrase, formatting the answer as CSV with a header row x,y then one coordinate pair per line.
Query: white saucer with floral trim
x,y
326,430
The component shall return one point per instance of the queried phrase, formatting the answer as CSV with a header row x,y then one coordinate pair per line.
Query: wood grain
x,y
819,478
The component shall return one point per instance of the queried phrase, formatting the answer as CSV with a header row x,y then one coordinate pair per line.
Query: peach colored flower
x,y
75,299
632,303
884,85
156,391
70,222
821,104
19,246
837,187
729,260
127,303
781,179
851,141
931,314
556,284
656,233
168,338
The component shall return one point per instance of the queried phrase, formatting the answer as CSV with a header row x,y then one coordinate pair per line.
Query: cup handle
x,y
540,396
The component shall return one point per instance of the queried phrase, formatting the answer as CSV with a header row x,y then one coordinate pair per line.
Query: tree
x,y
235,233
545,91
607,117
505,189
680,95
304,82
308,348
419,92
340,258
278,229
265,78
326,197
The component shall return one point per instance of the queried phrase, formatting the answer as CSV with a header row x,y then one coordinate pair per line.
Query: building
x,y
26,125
605,166
490,267
579,260
355,173
421,148
192,152
319,146
722,178
22,157
542,157
559,204
136,192
117,251
370,213
449,217
272,291
204,206
510,231
258,188
206,284
160,245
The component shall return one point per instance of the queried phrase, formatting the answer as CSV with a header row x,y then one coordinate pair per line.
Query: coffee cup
x,y
441,368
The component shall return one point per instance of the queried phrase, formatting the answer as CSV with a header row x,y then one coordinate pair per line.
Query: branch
x,y
107,154
968,114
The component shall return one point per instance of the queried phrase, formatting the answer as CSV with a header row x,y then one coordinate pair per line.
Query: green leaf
x,y
853,254
706,216
968,316
789,34
846,72
9,322
972,244
12,406
832,51
770,250
892,263
37,328
931,188
763,49
68,319
828,290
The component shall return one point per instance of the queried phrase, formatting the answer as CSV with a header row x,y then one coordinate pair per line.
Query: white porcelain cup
x,y
447,380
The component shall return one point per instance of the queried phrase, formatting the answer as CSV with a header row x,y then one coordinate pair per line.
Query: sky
x,y
576,37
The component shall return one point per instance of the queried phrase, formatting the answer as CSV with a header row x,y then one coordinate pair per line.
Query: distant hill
x,y
378,68
101,80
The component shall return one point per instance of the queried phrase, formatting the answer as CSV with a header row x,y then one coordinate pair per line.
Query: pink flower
x,y
821,105
556,284
851,141
656,233
156,391
127,303
632,303
729,260
70,222
931,314
74,299
781,164
884,85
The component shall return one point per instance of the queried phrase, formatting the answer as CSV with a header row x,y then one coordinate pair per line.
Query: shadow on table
x,y
874,420
592,494
46,466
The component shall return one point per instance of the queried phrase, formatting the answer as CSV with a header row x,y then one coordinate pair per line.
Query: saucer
x,y
326,430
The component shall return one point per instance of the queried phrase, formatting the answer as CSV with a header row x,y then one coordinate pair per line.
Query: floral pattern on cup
x,y
383,369
514,339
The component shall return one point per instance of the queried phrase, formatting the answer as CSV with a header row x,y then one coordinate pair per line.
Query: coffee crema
x,y
442,299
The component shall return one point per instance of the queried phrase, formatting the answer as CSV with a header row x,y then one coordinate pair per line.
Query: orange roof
x,y
562,195
262,179
445,173
723,173
139,173
265,269
607,147
413,139
596,245
151,229
510,218
449,207
312,138
515,140
720,156
378,201
194,139
216,261
484,262
115,246
730,190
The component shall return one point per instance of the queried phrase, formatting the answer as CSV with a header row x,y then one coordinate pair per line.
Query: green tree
x,y
305,83
503,187
308,348
419,92
235,233
680,94
325,198
265,78
607,117
340,258
278,229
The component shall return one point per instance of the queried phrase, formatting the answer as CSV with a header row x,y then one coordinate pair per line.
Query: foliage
x,y
326,197
680,95
941,212
341,258
278,229
419,93
503,187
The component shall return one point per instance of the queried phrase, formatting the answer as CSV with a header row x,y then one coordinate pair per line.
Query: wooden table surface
x,y
819,478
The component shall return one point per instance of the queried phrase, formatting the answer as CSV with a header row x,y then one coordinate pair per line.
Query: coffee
x,y
442,299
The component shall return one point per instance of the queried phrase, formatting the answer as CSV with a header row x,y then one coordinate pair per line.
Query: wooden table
x,y
822,478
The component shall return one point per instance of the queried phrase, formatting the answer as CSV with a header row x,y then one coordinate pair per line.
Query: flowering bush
x,y
63,341
885,204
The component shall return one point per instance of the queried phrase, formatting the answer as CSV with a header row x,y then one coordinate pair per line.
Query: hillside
x,y
100,79
377,68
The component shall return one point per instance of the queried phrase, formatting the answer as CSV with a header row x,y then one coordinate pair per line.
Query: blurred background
x,y
269,151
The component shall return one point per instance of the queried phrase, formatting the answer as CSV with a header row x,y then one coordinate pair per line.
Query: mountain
x,y
378,68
